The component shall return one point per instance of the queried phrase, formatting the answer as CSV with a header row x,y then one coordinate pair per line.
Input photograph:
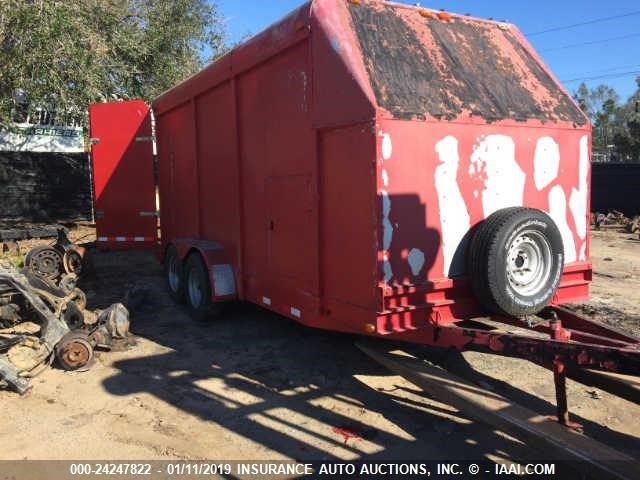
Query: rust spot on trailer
x,y
420,68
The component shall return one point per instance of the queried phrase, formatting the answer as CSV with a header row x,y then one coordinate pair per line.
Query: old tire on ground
x,y
45,262
198,290
516,258
174,275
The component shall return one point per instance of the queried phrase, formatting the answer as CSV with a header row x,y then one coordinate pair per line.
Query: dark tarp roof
x,y
422,66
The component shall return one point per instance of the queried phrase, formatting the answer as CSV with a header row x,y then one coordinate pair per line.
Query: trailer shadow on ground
x,y
287,390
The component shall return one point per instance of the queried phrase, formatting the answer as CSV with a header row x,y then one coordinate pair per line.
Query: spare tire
x,y
516,259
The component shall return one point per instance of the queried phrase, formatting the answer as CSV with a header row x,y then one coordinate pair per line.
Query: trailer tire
x,y
174,275
516,259
198,290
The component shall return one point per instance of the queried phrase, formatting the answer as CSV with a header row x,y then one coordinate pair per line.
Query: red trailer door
x,y
123,178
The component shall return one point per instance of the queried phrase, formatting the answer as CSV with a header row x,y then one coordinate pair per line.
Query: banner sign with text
x,y
41,138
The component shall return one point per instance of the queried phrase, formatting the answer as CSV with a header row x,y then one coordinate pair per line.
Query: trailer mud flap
x,y
123,175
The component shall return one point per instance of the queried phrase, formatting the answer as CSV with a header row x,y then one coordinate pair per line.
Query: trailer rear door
x,y
123,174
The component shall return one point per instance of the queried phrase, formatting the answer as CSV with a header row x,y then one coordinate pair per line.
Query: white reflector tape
x,y
295,312
224,282
266,300
125,239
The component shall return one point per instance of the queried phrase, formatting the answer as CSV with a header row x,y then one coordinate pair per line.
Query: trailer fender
x,y
221,270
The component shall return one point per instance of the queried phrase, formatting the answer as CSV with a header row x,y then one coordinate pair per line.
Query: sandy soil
x,y
253,385
615,291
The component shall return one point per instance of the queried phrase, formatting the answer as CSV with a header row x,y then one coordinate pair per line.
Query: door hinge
x,y
94,140
144,139
148,214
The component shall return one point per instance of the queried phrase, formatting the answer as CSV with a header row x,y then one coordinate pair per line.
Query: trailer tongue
x,y
570,345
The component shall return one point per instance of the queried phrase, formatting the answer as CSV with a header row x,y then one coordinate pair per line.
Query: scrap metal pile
x,y
615,220
43,316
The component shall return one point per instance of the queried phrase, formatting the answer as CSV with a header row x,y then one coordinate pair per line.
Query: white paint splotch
x,y
385,178
495,159
387,227
583,252
546,162
578,200
558,212
416,261
387,146
454,217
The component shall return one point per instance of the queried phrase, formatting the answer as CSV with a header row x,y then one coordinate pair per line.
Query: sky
x,y
612,60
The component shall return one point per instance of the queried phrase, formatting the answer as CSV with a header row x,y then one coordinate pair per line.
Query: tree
x,y
601,105
592,101
614,124
64,55
627,127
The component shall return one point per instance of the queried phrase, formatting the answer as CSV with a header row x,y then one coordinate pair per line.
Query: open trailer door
x,y
123,175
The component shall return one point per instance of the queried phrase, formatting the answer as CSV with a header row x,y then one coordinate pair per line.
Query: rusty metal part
x,y
74,351
52,327
9,315
66,328
560,375
68,282
100,337
73,260
107,326
73,315
615,220
562,406
564,342
74,257
56,261
45,262
116,320
90,318
80,298
580,342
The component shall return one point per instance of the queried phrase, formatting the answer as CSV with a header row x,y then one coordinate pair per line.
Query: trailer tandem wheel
x,y
197,290
174,275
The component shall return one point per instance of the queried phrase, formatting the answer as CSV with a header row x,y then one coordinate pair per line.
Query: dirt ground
x,y
253,385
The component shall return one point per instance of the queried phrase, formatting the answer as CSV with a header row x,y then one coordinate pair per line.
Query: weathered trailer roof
x,y
423,63
410,62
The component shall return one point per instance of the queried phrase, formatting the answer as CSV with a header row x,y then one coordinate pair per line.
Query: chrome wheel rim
x,y
194,289
173,275
528,263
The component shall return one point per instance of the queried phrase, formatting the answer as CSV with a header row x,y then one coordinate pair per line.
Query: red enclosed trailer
x,y
333,167
372,167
